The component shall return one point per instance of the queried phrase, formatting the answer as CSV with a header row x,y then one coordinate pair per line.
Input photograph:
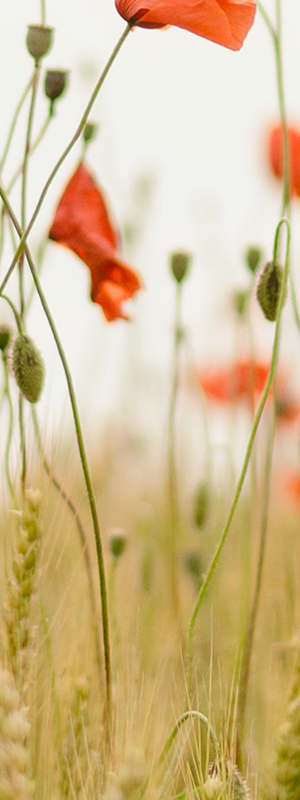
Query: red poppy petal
x,y
111,296
275,155
82,205
225,22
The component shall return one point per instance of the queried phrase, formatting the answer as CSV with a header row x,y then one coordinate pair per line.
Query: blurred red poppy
x,y
275,155
224,22
234,383
82,223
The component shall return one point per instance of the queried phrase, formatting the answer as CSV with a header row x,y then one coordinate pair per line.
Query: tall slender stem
x,y
172,471
245,465
84,464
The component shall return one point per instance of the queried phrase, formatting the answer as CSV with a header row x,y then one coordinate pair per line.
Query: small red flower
x,y
224,22
82,224
237,382
275,155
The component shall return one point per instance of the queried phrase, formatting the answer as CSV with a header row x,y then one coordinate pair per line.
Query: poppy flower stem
x,y
66,152
240,483
172,470
84,464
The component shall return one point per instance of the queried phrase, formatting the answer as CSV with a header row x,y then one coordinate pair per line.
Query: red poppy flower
x,y
225,22
275,155
237,382
82,224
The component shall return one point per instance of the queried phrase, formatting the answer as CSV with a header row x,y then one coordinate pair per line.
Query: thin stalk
x,y
82,534
172,471
66,152
43,12
32,148
7,394
14,122
84,464
185,717
256,421
249,639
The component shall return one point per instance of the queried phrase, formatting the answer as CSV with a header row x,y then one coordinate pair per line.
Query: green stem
x,y
66,152
7,394
249,639
84,464
172,472
187,715
244,469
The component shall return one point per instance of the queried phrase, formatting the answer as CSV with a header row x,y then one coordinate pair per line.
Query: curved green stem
x,y
191,714
245,465
84,464
65,153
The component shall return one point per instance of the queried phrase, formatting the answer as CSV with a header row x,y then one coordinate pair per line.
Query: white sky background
x,y
192,116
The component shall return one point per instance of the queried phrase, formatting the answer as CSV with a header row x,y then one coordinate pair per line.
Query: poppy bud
x,y
5,336
55,83
117,542
240,299
28,368
90,131
39,40
269,288
253,257
201,504
180,263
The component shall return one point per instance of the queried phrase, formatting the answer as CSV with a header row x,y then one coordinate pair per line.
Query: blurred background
x,y
181,154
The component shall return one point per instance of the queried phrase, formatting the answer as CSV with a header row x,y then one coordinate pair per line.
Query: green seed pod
x,y
28,368
180,264
240,300
269,288
55,83
253,257
39,40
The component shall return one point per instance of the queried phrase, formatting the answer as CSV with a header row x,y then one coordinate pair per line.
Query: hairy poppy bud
x,y
269,288
90,131
117,542
180,263
5,336
240,299
55,83
28,368
39,40
253,257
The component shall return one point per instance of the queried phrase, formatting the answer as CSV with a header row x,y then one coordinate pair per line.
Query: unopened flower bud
x,y
55,83
180,264
240,299
5,337
269,289
28,368
39,41
201,504
253,257
117,542
90,131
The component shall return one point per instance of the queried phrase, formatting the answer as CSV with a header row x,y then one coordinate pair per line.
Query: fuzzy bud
x,y
180,264
39,41
90,131
253,257
5,337
117,542
269,289
28,368
55,83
